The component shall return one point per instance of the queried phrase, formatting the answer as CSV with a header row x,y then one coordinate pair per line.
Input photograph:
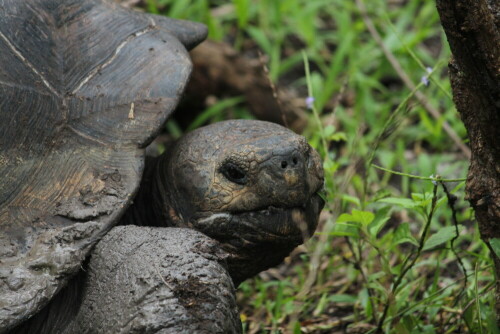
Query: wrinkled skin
x,y
251,185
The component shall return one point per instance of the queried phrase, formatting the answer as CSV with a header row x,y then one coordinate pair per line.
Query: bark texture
x,y
473,31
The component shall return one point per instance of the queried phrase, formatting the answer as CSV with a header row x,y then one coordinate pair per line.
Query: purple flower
x,y
310,102
425,78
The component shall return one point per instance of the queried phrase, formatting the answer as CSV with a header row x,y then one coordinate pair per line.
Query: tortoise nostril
x,y
294,160
284,164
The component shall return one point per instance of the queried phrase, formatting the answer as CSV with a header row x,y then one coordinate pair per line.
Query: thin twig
x,y
422,99
328,227
486,289
434,179
358,265
273,88
451,203
417,60
313,107
478,303
438,292
388,128
473,301
406,267
161,277
316,257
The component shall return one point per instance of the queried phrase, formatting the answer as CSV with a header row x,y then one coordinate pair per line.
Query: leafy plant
x,y
396,250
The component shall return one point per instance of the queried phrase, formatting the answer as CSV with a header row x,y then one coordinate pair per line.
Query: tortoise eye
x,y
234,173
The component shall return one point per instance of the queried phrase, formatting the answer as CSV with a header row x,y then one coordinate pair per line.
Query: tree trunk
x,y
473,31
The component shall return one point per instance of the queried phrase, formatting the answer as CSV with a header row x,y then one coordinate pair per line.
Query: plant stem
x,y
407,268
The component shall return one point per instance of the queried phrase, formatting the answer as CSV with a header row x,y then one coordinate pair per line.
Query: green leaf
x,y
321,305
296,328
422,200
345,217
409,323
331,167
491,324
351,199
381,217
381,194
345,230
364,298
214,110
343,298
261,39
338,136
328,130
440,237
363,217
242,12
495,245
401,328
403,234
357,216
404,202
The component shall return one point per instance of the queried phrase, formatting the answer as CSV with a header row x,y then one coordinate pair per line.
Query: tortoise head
x,y
251,185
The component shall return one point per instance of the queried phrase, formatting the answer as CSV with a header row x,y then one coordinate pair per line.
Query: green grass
x,y
386,256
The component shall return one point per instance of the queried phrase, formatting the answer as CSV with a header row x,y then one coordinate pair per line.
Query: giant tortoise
x,y
94,237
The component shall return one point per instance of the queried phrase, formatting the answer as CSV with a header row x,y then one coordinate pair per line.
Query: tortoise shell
x,y
84,87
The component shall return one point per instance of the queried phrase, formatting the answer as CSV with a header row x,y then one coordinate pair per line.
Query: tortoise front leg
x,y
157,280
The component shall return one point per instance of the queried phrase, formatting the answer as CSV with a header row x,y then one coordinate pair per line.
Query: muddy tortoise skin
x,y
84,87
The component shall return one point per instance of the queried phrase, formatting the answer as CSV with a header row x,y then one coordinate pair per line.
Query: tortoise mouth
x,y
288,223
272,225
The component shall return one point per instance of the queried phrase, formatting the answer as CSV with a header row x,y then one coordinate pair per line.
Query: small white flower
x,y
310,102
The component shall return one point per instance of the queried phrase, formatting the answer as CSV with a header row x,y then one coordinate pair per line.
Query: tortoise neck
x,y
162,192
150,206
